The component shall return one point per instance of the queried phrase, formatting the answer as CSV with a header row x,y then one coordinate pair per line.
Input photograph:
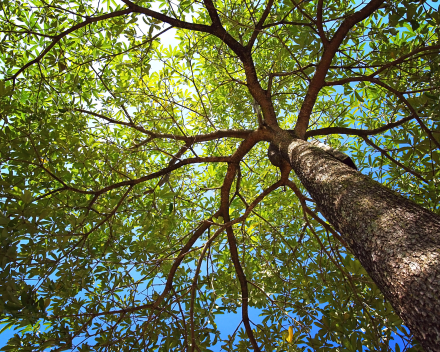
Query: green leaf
x,y
6,326
358,96
88,228
414,25
26,196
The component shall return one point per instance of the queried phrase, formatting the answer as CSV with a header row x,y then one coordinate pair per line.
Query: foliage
x,y
114,166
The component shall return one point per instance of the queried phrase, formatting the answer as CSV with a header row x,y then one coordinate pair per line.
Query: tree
x,y
146,189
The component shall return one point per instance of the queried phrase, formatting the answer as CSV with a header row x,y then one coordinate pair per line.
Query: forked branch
x,y
318,80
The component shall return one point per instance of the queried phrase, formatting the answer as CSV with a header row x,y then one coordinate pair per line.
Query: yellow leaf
x,y
289,338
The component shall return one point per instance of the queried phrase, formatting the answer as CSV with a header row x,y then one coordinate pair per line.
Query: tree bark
x,y
396,240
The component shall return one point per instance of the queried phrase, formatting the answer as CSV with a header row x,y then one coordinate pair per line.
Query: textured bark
x,y
396,240
275,156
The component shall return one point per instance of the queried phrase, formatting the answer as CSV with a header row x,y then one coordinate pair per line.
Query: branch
x,y
26,31
134,182
241,151
302,198
276,304
168,286
218,31
281,74
174,159
164,18
287,23
318,80
224,206
396,93
190,139
164,171
60,36
216,28
354,131
259,25
213,14
85,235
249,208
319,24
385,154
303,12
111,93
403,57
185,249
194,284
50,193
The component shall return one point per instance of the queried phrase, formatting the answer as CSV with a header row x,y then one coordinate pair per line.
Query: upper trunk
x,y
396,240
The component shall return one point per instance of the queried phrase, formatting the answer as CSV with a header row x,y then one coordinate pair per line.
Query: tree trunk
x,y
396,240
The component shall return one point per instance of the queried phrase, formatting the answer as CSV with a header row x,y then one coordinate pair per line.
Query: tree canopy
x,y
138,202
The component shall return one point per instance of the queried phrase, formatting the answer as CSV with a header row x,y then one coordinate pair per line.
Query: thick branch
x,y
216,28
213,14
244,55
164,18
241,151
319,24
318,80
253,138
163,172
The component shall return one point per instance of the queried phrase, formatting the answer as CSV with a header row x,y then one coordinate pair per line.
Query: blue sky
x,y
227,322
